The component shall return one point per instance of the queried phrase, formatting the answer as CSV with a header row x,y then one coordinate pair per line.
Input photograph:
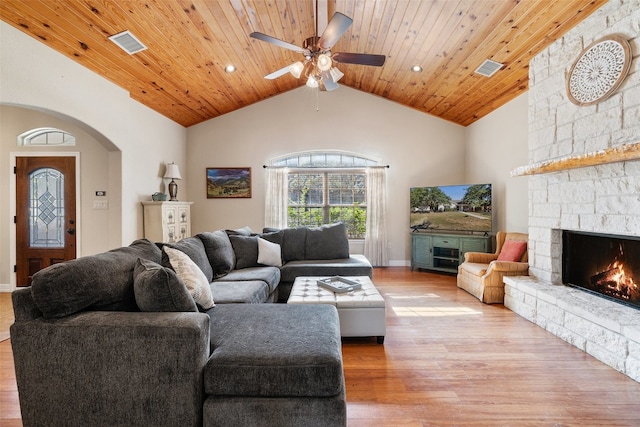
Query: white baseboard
x,y
399,263
5,287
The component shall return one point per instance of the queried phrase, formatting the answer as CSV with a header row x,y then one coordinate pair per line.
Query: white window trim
x,y
27,139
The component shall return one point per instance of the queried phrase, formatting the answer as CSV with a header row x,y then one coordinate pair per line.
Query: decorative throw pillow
x,y
269,253
273,236
246,250
219,251
194,248
512,250
159,289
191,276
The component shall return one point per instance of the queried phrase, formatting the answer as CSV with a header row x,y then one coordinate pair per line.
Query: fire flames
x,y
615,282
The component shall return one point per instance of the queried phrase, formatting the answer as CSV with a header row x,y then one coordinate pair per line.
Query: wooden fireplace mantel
x,y
610,155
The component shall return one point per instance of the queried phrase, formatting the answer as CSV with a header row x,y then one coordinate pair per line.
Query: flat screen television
x,y
451,208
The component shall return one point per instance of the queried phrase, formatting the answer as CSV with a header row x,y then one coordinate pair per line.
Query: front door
x,y
45,214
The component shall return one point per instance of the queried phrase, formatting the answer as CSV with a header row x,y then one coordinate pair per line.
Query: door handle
x,y
71,231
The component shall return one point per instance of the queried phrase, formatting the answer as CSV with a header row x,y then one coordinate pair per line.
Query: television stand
x,y
444,252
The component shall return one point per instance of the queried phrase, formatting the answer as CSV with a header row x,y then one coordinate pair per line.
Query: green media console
x,y
444,252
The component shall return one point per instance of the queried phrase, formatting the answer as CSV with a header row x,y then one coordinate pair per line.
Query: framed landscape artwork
x,y
228,183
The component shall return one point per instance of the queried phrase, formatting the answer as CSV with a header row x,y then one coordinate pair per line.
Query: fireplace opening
x,y
606,265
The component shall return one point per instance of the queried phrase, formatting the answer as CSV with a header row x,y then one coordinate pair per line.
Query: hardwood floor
x,y
6,315
449,360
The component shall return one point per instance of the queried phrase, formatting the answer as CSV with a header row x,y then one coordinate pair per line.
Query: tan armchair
x,y
481,274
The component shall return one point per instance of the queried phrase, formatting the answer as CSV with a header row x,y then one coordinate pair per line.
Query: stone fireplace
x,y
596,199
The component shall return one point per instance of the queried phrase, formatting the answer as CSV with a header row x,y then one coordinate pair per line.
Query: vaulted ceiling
x,y
190,42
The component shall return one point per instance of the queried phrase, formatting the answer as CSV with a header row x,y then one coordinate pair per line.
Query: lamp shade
x,y
336,74
312,82
172,171
324,62
296,69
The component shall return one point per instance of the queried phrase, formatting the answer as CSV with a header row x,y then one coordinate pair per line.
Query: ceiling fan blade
x,y
265,38
328,82
335,29
279,73
359,58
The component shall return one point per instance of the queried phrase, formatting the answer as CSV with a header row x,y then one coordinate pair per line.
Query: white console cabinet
x,y
167,221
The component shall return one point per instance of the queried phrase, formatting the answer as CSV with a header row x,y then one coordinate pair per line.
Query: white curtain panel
x,y
375,241
275,212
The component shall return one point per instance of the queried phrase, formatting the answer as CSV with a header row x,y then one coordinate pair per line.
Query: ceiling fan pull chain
x,y
317,99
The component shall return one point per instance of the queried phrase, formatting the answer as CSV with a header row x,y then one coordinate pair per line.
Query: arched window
x,y
327,187
46,137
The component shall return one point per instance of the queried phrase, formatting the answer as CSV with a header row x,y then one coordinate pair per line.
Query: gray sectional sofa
x,y
121,339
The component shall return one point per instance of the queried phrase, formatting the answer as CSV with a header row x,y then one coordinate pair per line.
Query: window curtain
x,y
275,212
375,241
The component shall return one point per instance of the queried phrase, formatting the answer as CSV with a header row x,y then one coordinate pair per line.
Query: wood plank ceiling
x,y
181,74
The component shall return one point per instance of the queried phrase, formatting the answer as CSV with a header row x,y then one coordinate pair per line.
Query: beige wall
x,y
497,144
38,78
419,148
94,226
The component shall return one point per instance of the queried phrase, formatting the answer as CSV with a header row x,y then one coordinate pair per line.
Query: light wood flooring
x,y
449,360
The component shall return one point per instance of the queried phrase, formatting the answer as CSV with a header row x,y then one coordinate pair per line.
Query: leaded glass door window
x,y
46,213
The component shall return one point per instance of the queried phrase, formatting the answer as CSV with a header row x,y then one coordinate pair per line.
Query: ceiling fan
x,y
318,64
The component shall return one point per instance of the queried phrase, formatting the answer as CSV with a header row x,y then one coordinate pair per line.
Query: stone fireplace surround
x,y
602,198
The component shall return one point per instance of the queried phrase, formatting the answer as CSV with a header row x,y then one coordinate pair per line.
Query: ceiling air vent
x,y
128,42
488,68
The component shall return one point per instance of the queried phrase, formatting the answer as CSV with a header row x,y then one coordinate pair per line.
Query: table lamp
x,y
172,172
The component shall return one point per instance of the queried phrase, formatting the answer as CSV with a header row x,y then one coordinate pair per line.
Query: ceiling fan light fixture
x,y
312,82
324,62
336,74
296,69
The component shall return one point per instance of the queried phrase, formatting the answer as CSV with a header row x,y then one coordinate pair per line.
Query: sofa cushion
x,y
219,252
269,275
329,241
159,289
355,265
269,253
243,292
191,276
512,250
246,250
293,243
274,350
194,248
244,231
475,268
100,282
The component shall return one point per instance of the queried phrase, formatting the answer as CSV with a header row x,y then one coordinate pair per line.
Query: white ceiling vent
x,y
128,42
488,68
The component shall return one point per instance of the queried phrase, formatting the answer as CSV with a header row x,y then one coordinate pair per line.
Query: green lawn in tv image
x,y
451,208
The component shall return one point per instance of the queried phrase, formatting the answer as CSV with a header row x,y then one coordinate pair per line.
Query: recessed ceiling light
x,y
416,68
229,68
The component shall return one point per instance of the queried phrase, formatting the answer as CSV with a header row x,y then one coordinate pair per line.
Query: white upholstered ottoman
x,y
361,312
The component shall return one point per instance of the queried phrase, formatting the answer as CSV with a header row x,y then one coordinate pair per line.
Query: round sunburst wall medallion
x,y
599,70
